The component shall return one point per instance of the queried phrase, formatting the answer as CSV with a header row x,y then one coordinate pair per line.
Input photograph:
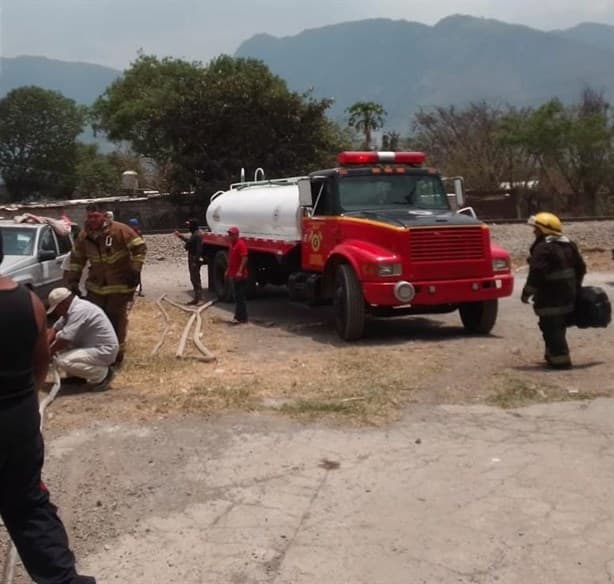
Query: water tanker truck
x,y
376,235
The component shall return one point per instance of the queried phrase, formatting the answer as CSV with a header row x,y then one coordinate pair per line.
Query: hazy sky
x,y
110,32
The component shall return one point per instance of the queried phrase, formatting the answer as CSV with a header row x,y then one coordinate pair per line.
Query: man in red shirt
x,y
237,273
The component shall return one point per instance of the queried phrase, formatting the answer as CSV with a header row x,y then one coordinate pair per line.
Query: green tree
x,y
135,108
97,174
38,151
205,123
573,143
391,141
366,117
469,142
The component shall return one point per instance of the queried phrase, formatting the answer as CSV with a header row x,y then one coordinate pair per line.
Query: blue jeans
x,y
239,288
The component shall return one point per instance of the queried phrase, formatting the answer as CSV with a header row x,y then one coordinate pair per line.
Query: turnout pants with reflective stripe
x,y
27,513
554,331
116,308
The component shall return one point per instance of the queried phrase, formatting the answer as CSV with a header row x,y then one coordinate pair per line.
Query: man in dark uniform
x,y
25,508
194,247
556,271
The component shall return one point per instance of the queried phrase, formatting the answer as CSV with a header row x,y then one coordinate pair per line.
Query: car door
x,y
64,247
49,260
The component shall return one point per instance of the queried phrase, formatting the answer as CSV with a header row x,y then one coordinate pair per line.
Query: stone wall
x,y
156,211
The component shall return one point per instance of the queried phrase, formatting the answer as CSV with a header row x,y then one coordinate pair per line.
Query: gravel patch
x,y
516,238
590,236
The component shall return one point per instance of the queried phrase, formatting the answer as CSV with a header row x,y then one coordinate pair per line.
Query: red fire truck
x,y
376,235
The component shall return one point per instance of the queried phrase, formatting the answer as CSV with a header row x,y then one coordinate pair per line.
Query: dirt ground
x,y
289,359
128,465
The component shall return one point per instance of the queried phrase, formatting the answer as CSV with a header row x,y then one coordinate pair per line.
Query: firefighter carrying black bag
x,y
556,271
592,309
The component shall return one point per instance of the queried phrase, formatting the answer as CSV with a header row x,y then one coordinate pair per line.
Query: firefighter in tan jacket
x,y
116,255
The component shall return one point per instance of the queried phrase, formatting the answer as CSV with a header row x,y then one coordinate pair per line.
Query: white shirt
x,y
86,326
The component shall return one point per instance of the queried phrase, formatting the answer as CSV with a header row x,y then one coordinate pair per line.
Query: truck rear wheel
x,y
221,284
479,317
349,304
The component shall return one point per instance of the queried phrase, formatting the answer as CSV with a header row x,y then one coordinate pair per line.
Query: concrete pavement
x,y
448,494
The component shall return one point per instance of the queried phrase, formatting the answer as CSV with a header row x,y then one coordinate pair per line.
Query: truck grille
x,y
450,243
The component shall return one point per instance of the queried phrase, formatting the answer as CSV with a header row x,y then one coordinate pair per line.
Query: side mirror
x,y
459,191
453,201
44,255
304,192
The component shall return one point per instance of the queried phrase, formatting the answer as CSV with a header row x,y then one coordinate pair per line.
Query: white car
x,y
33,255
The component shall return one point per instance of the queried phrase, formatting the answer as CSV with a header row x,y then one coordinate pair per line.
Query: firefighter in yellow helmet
x,y
116,254
556,270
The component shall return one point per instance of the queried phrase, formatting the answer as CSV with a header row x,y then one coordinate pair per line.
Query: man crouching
x,y
82,340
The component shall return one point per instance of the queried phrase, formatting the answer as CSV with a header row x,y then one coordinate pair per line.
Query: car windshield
x,y
372,192
18,241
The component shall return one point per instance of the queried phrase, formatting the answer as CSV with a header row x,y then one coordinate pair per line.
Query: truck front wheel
x,y
349,304
479,317
221,284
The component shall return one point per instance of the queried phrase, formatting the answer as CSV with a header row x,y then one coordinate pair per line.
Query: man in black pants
x,y
27,513
237,274
194,247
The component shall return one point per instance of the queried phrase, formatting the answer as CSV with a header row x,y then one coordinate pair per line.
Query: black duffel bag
x,y
593,308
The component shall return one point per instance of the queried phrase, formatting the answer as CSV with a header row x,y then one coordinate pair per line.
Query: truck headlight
x,y
384,270
500,264
404,292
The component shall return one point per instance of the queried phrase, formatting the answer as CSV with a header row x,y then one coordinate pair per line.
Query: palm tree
x,y
365,117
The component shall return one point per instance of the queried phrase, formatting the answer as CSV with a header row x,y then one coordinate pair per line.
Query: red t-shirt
x,y
237,251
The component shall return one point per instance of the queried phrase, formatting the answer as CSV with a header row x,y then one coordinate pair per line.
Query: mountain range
x,y
400,64
83,82
406,65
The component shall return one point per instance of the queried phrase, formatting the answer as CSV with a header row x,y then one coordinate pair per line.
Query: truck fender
x,y
357,254
497,251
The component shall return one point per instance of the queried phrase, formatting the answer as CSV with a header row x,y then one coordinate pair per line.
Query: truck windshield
x,y
362,192
18,241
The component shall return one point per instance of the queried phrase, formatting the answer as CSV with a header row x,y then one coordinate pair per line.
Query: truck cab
x,y
382,231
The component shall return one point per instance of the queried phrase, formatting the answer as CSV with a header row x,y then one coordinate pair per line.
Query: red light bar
x,y
357,158
409,157
350,158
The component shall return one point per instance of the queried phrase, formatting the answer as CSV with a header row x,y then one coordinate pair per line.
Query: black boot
x,y
196,299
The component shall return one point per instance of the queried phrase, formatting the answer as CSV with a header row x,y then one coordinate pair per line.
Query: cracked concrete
x,y
448,494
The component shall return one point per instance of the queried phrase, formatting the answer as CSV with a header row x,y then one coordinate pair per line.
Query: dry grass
x,y
515,392
366,385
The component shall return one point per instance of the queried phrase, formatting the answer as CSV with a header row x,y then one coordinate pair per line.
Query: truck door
x,y
320,229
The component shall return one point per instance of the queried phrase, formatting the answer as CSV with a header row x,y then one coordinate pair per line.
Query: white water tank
x,y
268,211
130,180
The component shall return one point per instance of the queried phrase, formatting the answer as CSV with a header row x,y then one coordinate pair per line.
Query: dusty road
x,y
452,491
448,494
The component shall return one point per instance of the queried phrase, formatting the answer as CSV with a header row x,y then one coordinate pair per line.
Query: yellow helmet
x,y
547,223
